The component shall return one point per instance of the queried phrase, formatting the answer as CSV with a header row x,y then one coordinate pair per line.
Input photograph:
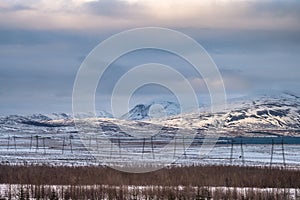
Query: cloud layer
x,y
256,44
80,15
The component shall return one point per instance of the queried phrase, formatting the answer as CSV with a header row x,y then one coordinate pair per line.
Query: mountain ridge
x,y
263,113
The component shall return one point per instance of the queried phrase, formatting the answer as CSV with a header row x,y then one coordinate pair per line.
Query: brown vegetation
x,y
228,176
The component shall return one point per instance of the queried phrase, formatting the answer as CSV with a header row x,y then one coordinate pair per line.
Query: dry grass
x,y
193,182
228,176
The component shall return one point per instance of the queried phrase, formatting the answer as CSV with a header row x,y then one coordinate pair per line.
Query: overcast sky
x,y
255,44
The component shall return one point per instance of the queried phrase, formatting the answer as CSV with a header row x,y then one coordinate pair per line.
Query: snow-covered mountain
x,y
264,113
154,109
260,113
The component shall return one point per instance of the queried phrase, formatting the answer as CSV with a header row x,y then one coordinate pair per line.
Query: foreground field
x,y
67,149
194,182
55,192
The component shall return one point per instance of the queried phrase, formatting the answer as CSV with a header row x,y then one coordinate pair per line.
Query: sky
x,y
255,44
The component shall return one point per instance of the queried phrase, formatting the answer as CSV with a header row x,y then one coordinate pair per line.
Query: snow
x,y
143,111
61,148
18,143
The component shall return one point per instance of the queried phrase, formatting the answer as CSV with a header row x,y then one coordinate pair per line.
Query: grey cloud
x,y
242,41
37,68
16,7
35,75
37,37
236,80
135,58
287,8
114,8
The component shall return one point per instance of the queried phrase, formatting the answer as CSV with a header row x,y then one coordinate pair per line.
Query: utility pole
x,y
272,152
30,142
44,145
152,147
144,141
37,143
119,144
174,146
242,152
15,143
90,143
283,156
63,146
111,148
8,144
184,152
71,146
97,141
231,152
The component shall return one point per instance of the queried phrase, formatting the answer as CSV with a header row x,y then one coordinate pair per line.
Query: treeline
x,y
196,176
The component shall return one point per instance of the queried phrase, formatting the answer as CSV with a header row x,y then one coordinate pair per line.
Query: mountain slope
x,y
154,109
276,113
263,113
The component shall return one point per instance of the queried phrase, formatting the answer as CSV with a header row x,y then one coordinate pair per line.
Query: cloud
x,y
234,81
240,41
15,8
48,37
96,15
255,44
114,8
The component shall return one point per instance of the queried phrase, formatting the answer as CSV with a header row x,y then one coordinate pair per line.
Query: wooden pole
x,y
71,146
97,141
183,143
30,142
8,144
63,146
44,145
152,147
15,143
282,148
242,152
231,152
174,146
90,143
144,141
111,148
272,152
119,144
37,143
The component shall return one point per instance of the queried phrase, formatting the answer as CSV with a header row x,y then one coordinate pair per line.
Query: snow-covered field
x,y
61,149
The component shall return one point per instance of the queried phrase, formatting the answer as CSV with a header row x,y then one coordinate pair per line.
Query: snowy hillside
x,y
154,109
277,111
54,138
243,115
